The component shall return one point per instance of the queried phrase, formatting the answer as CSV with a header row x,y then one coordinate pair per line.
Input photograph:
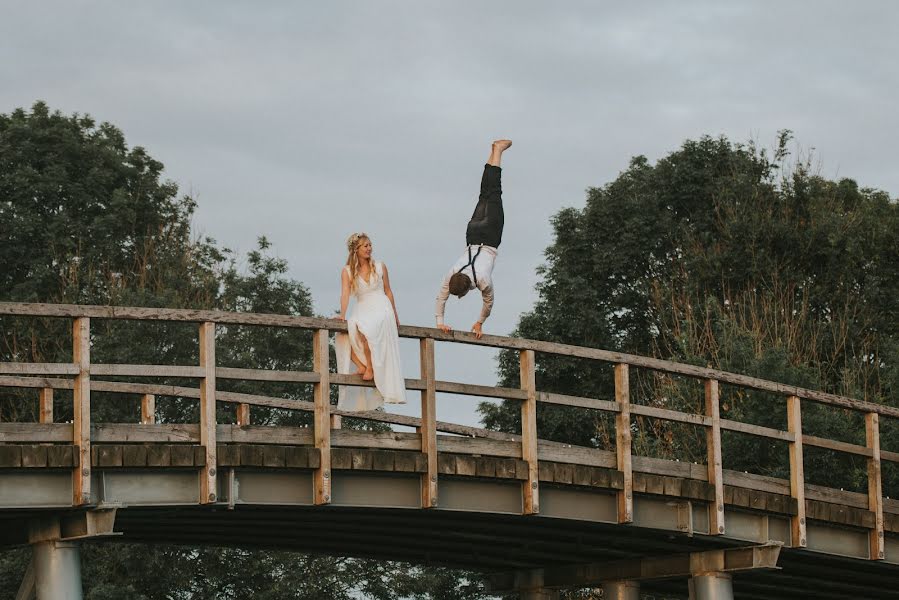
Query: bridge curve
x,y
445,494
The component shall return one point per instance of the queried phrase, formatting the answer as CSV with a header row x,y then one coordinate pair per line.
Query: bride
x,y
373,345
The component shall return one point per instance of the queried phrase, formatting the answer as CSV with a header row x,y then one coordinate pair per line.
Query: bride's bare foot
x,y
360,370
502,144
368,375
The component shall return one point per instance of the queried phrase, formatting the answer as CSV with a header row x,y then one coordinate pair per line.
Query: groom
x,y
482,237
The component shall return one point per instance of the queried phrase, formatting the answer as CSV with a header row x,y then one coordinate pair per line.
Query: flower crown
x,y
353,240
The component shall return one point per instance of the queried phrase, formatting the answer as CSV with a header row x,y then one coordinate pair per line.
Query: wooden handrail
x,y
81,376
509,343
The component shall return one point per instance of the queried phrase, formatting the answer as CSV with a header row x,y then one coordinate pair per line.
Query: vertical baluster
x,y
797,472
243,415
148,409
623,443
428,429
530,488
46,411
322,420
875,487
208,490
713,450
81,434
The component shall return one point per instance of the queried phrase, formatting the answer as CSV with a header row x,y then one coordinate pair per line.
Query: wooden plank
x,y
207,412
356,381
578,401
487,391
148,409
108,455
530,489
890,456
36,382
46,408
146,371
623,443
461,445
321,417
660,466
713,457
757,430
118,433
10,456
810,440
16,368
875,486
428,429
134,455
159,455
577,455
797,472
36,433
670,415
81,425
62,457
34,456
265,375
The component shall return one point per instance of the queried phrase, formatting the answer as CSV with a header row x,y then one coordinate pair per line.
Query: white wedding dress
x,y
373,316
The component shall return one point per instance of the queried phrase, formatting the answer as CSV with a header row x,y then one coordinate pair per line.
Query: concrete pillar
x,y
712,586
621,590
57,570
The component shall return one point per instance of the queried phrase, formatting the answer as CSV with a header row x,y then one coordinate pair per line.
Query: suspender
x,y
471,260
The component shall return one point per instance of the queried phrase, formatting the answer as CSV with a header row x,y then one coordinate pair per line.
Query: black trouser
x,y
486,223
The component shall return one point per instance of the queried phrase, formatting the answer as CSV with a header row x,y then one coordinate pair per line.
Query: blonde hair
x,y
352,244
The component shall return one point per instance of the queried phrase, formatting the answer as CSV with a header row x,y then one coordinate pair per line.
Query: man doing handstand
x,y
482,237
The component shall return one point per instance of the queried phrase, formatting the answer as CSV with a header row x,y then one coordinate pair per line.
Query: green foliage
x,y
720,255
178,573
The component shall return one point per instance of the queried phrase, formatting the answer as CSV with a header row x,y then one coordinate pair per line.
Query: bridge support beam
x,y
712,586
57,571
621,590
709,573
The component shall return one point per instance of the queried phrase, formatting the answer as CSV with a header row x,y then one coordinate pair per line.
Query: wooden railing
x,y
78,375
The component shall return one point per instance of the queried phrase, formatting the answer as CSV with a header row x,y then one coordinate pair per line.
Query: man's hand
x,y
476,328
444,328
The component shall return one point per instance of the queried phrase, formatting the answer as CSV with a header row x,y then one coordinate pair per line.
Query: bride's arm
x,y
344,292
389,293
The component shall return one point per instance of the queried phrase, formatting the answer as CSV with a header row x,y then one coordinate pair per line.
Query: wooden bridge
x,y
535,515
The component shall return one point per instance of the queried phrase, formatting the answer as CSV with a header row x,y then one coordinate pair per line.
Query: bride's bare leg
x,y
369,374
360,366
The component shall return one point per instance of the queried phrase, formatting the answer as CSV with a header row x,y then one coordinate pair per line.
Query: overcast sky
x,y
307,122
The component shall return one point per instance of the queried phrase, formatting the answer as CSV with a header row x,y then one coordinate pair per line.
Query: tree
x,y
722,255
86,219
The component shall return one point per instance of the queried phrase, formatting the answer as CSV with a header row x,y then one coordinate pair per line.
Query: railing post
x,y
875,491
148,409
208,489
797,472
713,448
428,428
530,487
243,415
623,443
46,410
81,396
321,483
